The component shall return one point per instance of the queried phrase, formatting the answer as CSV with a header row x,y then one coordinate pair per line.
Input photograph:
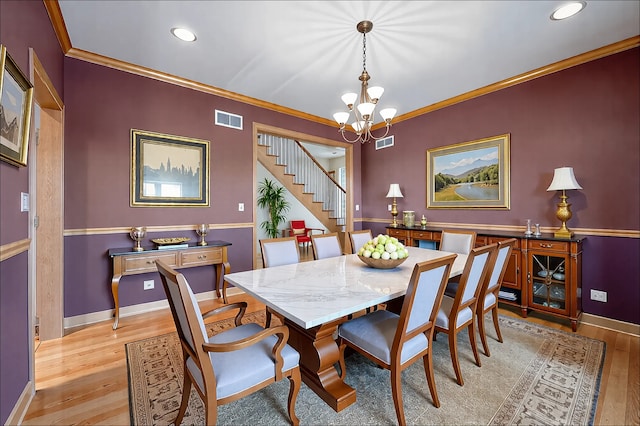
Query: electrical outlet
x,y
389,207
149,284
240,207
600,296
357,207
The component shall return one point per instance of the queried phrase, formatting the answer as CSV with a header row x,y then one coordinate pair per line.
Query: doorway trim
x,y
302,137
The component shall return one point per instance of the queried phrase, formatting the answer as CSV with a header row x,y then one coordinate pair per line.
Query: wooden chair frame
x,y
455,232
355,247
197,348
402,335
459,303
488,296
265,264
315,248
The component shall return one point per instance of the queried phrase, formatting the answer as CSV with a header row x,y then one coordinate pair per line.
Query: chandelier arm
x,y
358,138
379,137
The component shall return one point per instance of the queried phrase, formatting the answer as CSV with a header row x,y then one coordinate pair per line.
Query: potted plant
x,y
271,196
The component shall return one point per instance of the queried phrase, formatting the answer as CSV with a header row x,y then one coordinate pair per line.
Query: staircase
x,y
304,178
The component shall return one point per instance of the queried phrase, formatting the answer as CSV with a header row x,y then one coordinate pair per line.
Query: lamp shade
x,y
563,178
394,191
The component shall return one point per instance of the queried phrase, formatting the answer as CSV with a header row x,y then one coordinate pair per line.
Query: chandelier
x,y
369,96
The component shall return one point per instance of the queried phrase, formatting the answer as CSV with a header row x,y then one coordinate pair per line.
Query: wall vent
x,y
227,119
384,143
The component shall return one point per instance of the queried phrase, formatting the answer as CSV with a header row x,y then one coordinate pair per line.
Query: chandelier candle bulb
x,y
367,101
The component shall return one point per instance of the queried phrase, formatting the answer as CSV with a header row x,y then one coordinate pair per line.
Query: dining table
x,y
315,297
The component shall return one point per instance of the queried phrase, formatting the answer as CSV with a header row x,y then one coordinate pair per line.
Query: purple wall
x,y
14,332
102,105
586,117
23,24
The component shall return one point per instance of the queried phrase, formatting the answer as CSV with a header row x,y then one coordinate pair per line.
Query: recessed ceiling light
x,y
183,34
568,10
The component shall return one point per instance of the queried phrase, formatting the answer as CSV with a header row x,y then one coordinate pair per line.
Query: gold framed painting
x,y
169,171
16,100
474,174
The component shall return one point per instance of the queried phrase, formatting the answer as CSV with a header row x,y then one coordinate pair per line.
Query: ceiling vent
x,y
227,119
384,143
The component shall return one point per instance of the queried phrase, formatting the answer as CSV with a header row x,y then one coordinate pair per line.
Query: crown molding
x,y
55,15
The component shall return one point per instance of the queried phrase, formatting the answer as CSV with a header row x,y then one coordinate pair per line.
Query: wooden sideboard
x,y
544,273
128,262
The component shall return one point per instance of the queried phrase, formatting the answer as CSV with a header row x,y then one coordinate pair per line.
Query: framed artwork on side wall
x,y
16,99
473,174
170,171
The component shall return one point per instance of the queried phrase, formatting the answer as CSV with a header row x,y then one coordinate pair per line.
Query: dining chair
x,y
457,241
359,238
277,252
233,363
299,230
395,341
326,245
458,313
488,296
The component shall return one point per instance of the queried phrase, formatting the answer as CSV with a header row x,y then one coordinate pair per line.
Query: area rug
x,y
537,376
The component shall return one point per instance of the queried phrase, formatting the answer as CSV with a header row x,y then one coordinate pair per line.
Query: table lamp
x,y
394,192
563,179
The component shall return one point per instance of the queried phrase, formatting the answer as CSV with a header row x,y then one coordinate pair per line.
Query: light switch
x,y
357,207
24,202
240,207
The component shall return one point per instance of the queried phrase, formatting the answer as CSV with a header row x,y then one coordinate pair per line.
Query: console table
x,y
129,262
544,273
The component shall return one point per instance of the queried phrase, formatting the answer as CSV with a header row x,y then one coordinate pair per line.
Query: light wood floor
x,y
82,378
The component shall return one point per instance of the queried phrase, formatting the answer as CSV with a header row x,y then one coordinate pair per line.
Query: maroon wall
x,y
586,117
23,24
102,106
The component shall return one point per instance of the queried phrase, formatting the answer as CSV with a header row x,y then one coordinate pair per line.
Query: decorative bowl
x,y
381,263
175,240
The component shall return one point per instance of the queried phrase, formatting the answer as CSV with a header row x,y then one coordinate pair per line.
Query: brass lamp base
x,y
563,214
394,213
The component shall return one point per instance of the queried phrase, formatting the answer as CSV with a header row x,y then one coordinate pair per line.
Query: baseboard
x,y
611,324
127,311
20,409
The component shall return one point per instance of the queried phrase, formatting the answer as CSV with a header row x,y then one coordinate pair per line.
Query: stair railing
x,y
306,170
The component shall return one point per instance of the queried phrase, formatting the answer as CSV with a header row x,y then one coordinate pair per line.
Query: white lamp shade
x,y
563,178
341,117
394,191
375,93
358,126
366,108
387,113
349,99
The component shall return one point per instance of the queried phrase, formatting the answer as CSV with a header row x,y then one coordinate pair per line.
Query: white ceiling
x,y
305,54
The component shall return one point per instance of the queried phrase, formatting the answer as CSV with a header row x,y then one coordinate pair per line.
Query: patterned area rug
x,y
537,376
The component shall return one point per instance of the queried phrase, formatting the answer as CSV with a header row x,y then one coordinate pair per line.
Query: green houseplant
x,y
271,196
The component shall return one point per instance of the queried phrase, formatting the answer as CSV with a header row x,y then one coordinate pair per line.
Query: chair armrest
x,y
242,306
309,231
281,331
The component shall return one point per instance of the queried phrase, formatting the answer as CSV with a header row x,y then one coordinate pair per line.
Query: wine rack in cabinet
x,y
554,277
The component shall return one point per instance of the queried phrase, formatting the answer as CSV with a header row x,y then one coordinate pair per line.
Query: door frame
x,y
291,134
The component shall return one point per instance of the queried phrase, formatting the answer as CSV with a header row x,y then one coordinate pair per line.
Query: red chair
x,y
299,230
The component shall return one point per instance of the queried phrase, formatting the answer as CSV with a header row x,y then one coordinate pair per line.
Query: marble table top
x,y
313,293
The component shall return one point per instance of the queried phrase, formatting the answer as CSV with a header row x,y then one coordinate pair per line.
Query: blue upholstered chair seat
x,y
374,334
442,320
231,368
489,300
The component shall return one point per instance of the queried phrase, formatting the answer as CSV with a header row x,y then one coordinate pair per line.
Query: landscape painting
x,y
471,174
16,98
168,170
